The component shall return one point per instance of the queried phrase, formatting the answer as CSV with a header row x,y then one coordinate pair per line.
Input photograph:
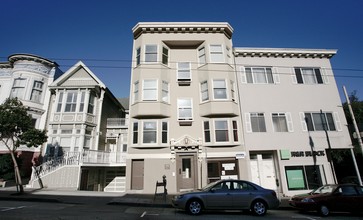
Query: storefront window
x,y
303,177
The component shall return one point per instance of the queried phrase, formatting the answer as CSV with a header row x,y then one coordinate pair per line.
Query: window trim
x,y
201,56
227,131
165,90
40,90
213,54
206,91
143,132
184,70
248,119
317,73
138,56
163,55
156,53
225,89
156,89
179,107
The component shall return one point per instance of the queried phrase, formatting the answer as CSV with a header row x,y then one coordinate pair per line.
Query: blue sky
x,y
98,32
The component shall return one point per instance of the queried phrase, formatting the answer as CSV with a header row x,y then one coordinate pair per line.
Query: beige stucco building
x,y
292,115
202,110
185,121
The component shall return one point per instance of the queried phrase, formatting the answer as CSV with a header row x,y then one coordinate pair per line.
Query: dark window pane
x,y
298,76
318,76
330,119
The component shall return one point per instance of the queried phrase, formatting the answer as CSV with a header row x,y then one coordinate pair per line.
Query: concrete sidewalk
x,y
92,197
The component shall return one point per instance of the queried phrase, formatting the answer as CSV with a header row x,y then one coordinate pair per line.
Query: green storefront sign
x,y
295,179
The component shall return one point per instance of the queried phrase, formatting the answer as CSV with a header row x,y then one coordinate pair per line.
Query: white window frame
x,y
335,121
151,53
184,71
185,107
216,55
314,78
165,55
136,91
19,88
220,88
148,89
164,132
72,104
207,131
138,56
248,120
204,90
82,101
268,76
287,118
153,130
91,104
201,56
226,129
37,91
165,96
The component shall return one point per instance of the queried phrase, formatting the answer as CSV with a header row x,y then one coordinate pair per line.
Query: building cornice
x,y
182,27
284,52
16,57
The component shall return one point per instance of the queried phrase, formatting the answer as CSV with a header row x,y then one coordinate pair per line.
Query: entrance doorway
x,y
263,170
137,179
186,171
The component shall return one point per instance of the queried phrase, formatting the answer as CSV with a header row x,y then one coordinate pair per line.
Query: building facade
x,y
292,117
202,110
185,122
87,141
27,77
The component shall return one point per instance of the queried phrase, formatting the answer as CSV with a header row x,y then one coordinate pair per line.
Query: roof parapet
x,y
182,27
284,52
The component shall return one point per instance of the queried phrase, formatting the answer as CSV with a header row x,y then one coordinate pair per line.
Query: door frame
x,y
194,165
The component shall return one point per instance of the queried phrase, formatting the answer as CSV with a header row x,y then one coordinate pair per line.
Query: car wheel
x,y
194,207
259,208
324,210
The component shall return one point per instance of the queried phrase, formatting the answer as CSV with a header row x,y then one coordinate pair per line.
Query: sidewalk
x,y
92,197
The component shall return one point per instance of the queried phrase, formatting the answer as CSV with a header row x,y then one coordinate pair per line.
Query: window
x,y
37,91
201,56
216,53
228,52
220,90
138,53
60,101
150,90
18,89
136,91
258,122
165,58
71,101
204,91
81,106
308,76
151,53
235,130
233,94
320,121
185,109
303,177
149,132
206,131
164,134
221,131
165,92
259,75
91,104
135,133
184,71
279,122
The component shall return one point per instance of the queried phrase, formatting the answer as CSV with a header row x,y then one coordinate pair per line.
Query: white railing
x,y
117,122
93,156
69,158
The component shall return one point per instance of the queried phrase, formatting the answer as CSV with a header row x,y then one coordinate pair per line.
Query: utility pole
x,y
358,135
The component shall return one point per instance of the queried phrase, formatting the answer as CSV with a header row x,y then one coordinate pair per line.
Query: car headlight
x,y
307,200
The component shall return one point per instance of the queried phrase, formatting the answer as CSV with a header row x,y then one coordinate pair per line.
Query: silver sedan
x,y
228,195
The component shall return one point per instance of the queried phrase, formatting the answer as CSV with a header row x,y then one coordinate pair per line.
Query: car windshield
x,y
324,189
207,187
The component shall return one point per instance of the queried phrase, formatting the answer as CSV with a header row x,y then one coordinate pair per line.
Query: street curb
x,y
30,199
141,204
